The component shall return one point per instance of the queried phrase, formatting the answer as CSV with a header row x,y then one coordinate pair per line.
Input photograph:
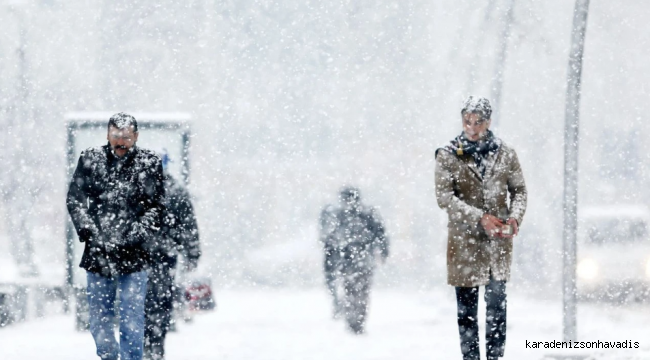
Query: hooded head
x,y
350,197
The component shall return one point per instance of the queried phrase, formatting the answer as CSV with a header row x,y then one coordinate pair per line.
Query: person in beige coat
x,y
479,183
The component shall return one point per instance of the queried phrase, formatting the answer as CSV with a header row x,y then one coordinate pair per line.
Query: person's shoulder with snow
x,y
328,221
372,212
148,157
173,188
94,153
506,150
91,161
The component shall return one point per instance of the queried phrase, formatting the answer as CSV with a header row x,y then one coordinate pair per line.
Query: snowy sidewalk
x,y
296,325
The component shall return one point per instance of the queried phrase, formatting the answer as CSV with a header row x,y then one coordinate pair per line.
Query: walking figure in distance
x,y
352,234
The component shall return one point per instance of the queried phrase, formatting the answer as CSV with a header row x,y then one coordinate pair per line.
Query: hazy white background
x,y
291,99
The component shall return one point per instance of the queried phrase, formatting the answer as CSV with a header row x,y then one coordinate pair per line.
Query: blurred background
x,y
292,99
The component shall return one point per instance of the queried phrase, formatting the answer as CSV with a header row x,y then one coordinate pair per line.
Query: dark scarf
x,y
479,150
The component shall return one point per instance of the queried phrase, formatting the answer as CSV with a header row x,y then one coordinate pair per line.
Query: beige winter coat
x,y
460,190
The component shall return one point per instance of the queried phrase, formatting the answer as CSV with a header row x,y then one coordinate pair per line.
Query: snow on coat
x,y
179,233
116,207
466,196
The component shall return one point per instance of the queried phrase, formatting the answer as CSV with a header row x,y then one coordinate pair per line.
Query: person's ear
x,y
135,136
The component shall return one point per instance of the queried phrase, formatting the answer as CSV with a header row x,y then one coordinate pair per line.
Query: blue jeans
x,y
101,300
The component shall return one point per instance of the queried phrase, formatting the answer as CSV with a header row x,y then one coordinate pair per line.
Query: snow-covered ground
x,y
296,325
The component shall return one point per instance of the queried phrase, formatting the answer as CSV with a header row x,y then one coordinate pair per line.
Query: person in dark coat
x,y
179,235
115,201
352,234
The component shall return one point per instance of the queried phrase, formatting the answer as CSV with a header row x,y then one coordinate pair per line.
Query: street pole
x,y
497,80
20,195
571,138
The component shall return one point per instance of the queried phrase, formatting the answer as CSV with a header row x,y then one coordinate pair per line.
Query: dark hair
x,y
123,121
477,105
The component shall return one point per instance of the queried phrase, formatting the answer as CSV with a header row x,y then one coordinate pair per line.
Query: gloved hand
x,y
135,234
131,234
85,234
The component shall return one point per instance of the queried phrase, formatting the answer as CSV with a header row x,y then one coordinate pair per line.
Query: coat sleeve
x,y
517,190
379,232
447,199
186,233
77,202
145,228
327,225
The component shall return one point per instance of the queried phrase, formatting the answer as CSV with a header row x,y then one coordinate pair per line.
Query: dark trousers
x,y
332,275
356,285
158,309
495,322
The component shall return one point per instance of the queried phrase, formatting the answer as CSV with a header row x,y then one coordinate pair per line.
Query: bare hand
x,y
491,224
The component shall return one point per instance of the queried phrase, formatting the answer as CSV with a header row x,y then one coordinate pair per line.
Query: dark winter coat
x,y
116,206
179,232
355,234
466,195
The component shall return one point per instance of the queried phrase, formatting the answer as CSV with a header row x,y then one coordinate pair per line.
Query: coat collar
x,y
490,160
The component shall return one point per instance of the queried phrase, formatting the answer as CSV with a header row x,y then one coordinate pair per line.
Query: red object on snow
x,y
199,296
